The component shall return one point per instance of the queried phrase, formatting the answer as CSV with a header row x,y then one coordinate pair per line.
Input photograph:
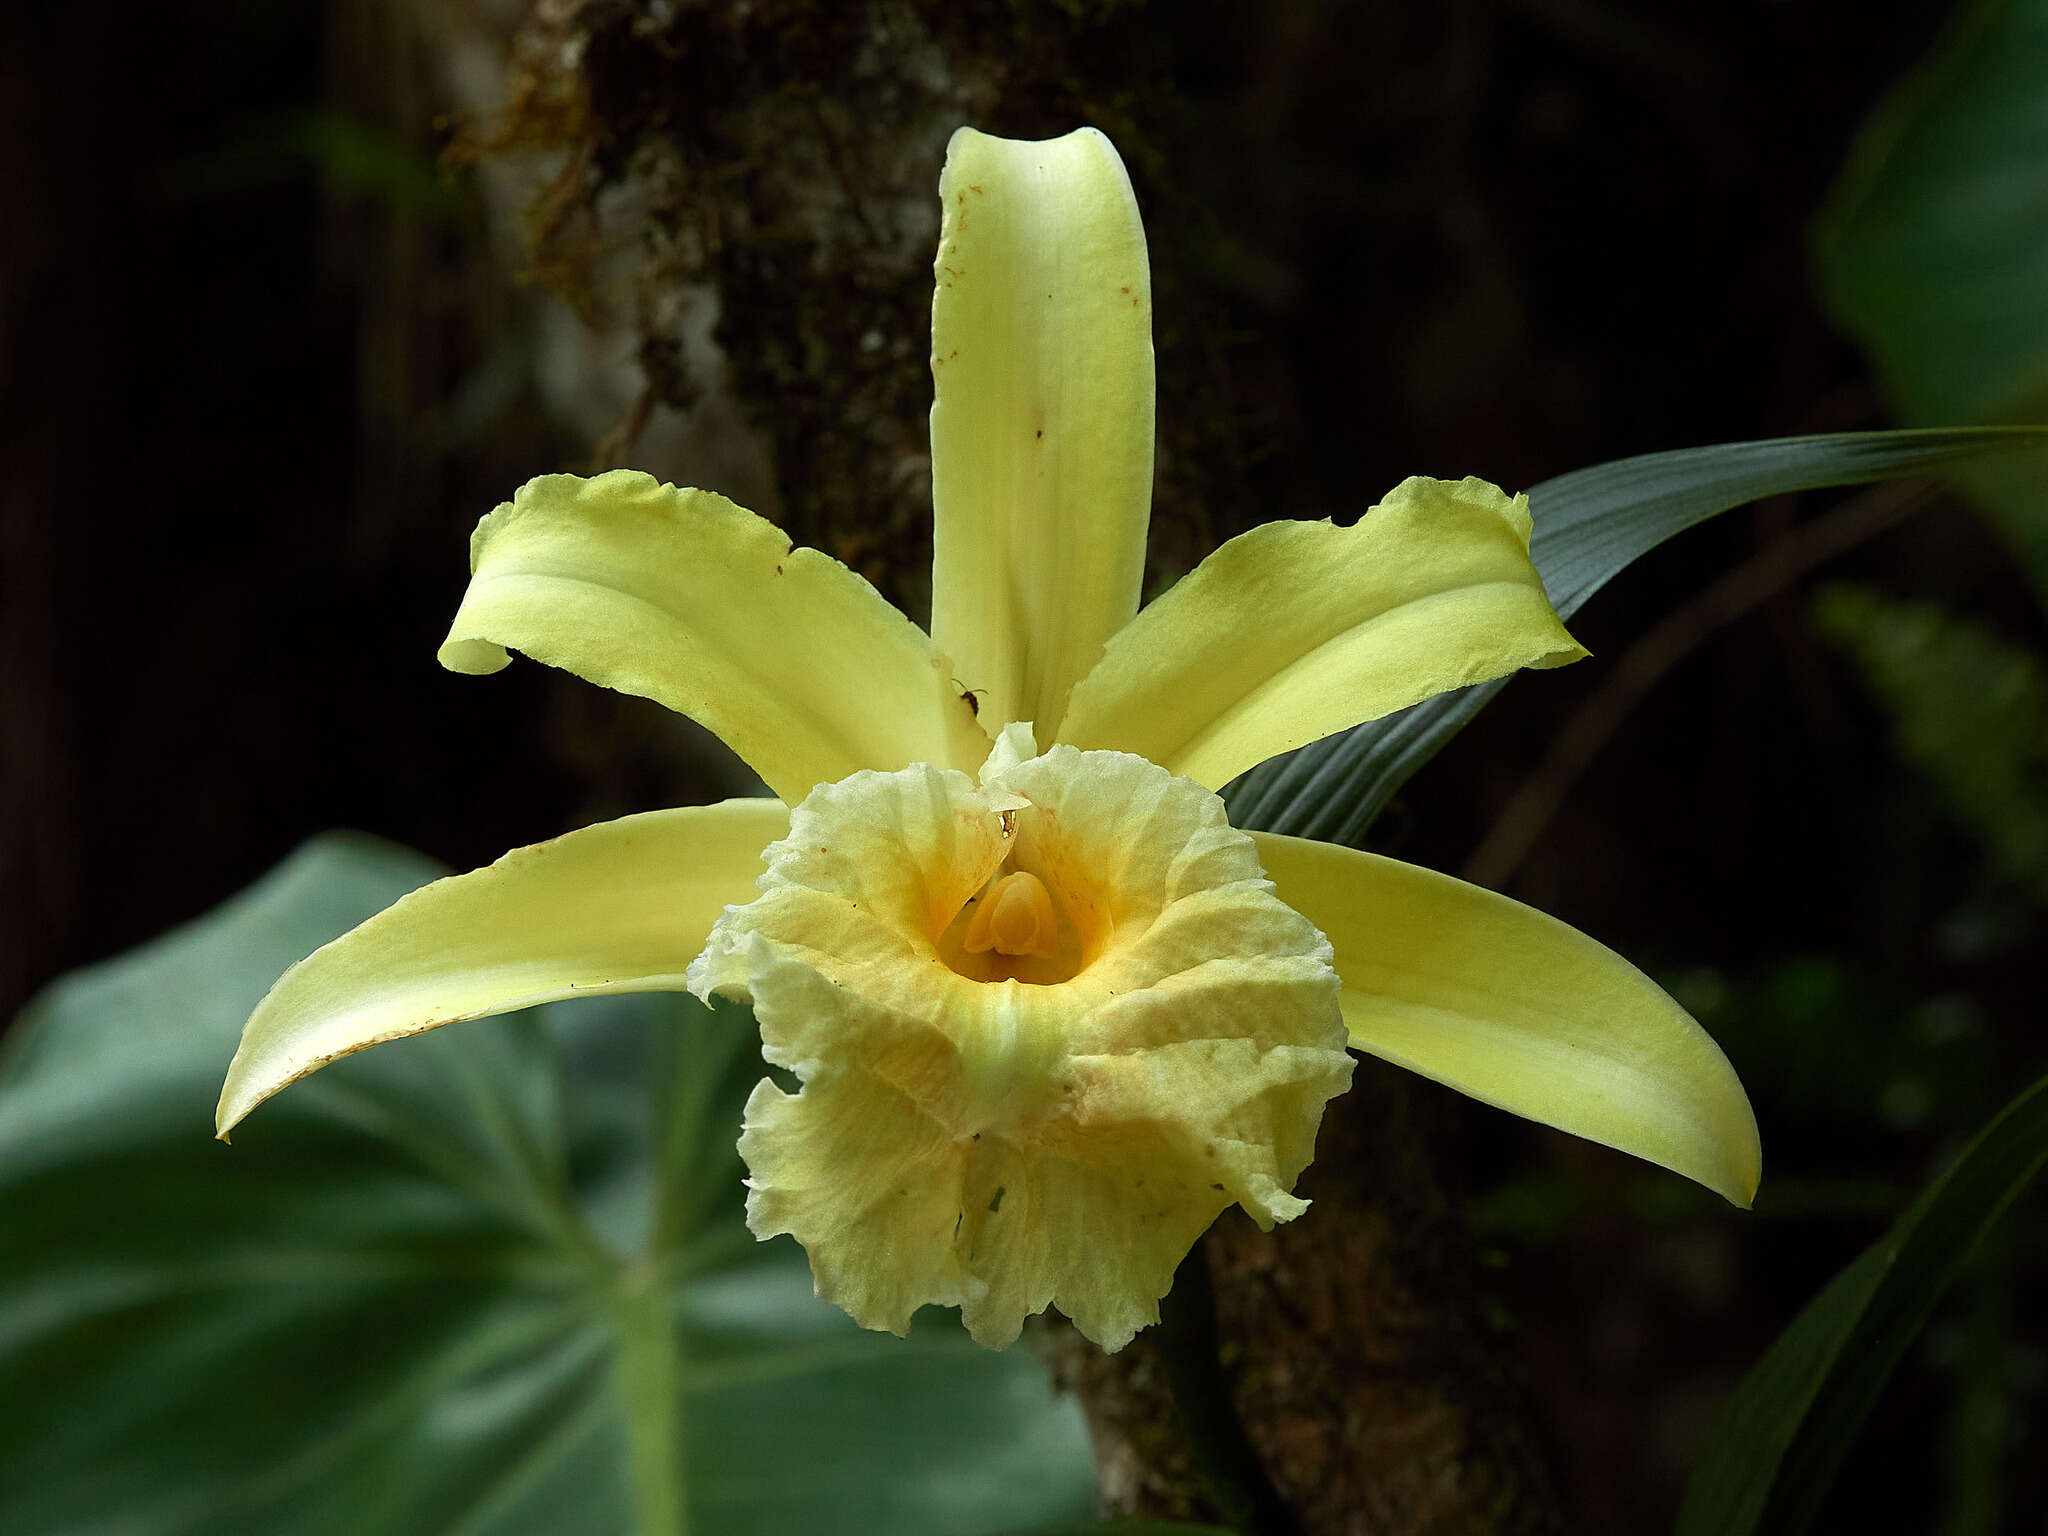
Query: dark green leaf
x,y
1933,248
1778,1444
395,1305
1590,525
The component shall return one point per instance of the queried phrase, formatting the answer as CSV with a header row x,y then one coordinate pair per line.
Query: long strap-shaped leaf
x,y
1590,525
1782,1437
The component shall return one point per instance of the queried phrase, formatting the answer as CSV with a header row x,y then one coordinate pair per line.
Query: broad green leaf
x,y
1968,710
1590,525
1779,1442
1932,250
396,1304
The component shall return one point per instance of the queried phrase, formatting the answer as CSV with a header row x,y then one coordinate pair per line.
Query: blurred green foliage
x,y
1968,709
1932,249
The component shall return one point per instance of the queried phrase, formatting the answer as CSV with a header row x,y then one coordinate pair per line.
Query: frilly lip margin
x,y
1144,1105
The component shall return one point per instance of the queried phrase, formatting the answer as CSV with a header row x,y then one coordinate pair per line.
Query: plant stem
x,y
650,1383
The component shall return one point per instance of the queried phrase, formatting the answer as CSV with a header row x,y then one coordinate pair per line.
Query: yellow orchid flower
x,y
1050,1013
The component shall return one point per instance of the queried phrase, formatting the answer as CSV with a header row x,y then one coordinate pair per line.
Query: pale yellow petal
x,y
1096,1228
1004,1132
678,595
852,1168
1042,416
1294,631
1520,1011
618,907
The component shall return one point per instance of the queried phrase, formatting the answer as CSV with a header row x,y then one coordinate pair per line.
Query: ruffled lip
x,y
1056,1134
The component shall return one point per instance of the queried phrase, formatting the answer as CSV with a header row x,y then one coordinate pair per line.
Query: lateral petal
x,y
682,597
1295,630
1042,415
1520,1011
622,906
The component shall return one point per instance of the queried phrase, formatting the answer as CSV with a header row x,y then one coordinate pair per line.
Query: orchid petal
x,y
1520,1011
1042,416
622,906
1296,630
682,597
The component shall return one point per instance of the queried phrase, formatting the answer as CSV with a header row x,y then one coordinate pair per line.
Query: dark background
x,y
265,365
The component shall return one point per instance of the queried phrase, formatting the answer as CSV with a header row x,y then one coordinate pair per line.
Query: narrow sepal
x,y
622,906
1520,1011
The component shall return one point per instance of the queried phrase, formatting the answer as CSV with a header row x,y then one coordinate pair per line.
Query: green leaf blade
x,y
1592,524
1775,1450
